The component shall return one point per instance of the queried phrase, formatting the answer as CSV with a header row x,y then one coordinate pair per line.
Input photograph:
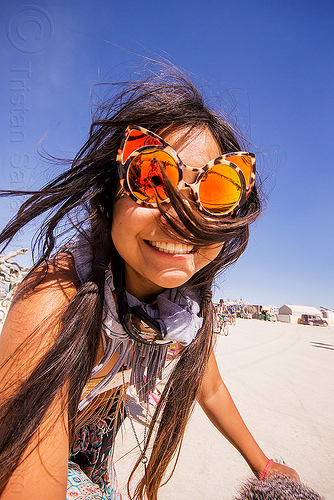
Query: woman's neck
x,y
140,287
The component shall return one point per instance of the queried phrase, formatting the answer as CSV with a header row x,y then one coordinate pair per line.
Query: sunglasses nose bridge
x,y
187,197
189,192
190,175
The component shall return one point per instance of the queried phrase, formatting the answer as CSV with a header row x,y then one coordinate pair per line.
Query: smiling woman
x,y
157,217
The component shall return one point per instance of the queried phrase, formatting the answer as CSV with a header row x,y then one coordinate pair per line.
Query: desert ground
x,y
281,378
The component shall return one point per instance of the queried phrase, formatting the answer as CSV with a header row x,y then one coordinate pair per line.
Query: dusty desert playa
x,y
281,377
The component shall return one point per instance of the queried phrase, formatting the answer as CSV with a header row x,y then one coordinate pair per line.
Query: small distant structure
x,y
290,313
11,274
328,315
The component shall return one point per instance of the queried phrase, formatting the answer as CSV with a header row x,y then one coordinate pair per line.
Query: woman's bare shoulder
x,y
38,304
56,275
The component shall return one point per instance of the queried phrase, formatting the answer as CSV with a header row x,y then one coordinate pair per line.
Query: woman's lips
x,y
171,248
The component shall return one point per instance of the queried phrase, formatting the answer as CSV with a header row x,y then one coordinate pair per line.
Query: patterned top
x,y
91,471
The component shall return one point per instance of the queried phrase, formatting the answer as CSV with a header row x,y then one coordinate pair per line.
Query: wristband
x,y
264,472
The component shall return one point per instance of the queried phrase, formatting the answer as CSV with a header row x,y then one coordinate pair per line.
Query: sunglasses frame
x,y
152,337
154,141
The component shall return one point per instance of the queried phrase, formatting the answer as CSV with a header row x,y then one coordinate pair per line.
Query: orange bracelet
x,y
265,470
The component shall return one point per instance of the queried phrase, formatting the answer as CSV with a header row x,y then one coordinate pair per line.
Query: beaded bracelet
x,y
265,470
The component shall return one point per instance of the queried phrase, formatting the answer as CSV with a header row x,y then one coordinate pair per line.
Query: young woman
x,y
161,198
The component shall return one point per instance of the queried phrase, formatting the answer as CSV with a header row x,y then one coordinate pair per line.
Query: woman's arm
x,y
218,405
42,471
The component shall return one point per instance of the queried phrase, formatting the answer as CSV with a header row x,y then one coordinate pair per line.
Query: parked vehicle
x,y
271,316
245,315
246,312
311,319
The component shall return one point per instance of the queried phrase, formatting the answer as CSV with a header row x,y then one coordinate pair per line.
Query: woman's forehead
x,y
195,146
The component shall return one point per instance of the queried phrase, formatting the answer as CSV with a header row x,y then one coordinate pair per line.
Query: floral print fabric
x,y
80,487
91,473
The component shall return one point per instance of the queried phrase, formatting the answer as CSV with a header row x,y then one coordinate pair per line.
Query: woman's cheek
x,y
207,255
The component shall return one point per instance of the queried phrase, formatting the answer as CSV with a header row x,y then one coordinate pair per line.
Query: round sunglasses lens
x,y
220,189
245,163
145,178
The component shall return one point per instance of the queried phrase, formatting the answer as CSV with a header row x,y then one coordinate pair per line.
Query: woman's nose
x,y
187,197
189,175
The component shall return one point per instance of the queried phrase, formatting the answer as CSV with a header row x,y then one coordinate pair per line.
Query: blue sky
x,y
269,65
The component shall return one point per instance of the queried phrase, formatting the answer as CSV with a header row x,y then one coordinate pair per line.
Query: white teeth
x,y
176,248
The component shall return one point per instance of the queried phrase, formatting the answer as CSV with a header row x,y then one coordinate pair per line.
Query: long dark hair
x,y
85,193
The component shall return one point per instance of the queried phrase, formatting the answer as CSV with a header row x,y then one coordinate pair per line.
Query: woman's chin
x,y
173,280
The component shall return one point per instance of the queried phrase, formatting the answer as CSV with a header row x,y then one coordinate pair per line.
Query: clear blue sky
x,y
268,63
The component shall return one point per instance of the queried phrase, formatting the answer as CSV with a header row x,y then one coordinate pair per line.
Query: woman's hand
x,y
276,468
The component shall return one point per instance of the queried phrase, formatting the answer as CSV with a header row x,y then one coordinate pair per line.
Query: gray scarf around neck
x,y
175,309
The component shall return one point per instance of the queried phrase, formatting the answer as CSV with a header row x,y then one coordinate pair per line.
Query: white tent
x,y
328,315
290,313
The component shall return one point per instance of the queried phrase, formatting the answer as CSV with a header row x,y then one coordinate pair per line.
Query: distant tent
x,y
328,315
290,313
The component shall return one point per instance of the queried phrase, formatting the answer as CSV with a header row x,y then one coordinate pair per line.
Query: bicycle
x,y
222,325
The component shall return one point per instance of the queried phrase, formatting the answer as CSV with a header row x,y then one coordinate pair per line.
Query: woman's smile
x,y
171,248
